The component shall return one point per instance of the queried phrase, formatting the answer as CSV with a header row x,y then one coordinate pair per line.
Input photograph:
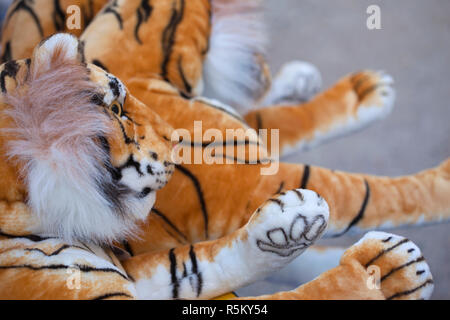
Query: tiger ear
x,y
56,50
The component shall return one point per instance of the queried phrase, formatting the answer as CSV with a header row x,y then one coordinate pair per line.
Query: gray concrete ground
x,y
414,47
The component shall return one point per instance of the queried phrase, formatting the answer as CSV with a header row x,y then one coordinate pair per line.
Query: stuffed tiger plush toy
x,y
87,143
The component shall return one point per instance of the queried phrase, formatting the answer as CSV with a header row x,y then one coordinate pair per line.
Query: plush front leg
x,y
379,266
280,230
351,104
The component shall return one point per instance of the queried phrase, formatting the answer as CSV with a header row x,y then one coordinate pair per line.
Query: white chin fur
x,y
73,210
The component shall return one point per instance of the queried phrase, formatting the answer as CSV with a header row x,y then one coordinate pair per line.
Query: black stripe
x,y
58,16
56,252
87,247
184,270
22,5
127,247
9,70
280,188
361,211
195,270
31,237
80,267
114,191
112,294
6,56
170,223
242,161
132,163
173,273
384,251
233,143
401,267
111,8
299,194
408,292
305,177
277,201
143,13
258,122
419,272
168,35
99,64
232,114
186,83
199,191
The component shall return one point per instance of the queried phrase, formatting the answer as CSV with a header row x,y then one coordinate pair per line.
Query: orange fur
x,y
161,74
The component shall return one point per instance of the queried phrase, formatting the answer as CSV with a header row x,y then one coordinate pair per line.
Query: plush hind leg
x,y
359,201
379,266
351,104
281,229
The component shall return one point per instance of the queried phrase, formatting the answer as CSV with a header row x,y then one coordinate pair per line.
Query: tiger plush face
x,y
91,156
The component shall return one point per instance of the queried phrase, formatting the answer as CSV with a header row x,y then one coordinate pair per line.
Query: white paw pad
x,y
291,222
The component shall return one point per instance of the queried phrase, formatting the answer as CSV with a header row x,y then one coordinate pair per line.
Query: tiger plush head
x,y
85,155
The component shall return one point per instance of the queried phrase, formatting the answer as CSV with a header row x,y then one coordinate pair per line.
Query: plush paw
x,y
375,94
289,223
296,82
402,270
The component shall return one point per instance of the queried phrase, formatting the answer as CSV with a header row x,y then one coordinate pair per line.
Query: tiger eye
x,y
116,108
